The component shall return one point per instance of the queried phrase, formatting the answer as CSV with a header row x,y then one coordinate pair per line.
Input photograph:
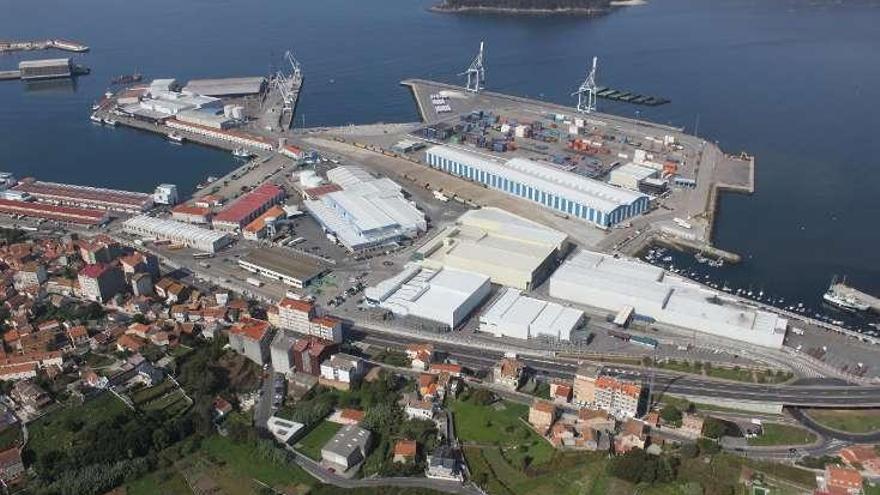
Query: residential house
x,y
78,336
29,275
444,465
509,373
100,282
405,451
28,394
452,369
862,457
350,416
420,355
838,480
542,414
631,436
251,337
621,398
341,370
419,409
309,353
691,425
11,466
585,384
428,385
560,392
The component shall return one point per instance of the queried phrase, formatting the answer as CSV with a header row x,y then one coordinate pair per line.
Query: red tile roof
x,y
251,202
296,304
187,209
352,415
405,448
318,191
258,224
251,328
94,271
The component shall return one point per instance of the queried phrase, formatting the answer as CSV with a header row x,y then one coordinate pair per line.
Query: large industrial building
x,y
514,315
285,266
205,240
226,87
631,176
509,249
81,216
580,197
612,284
367,212
85,196
248,207
45,69
442,297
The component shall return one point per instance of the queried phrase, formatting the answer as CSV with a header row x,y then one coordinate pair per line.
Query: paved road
x,y
804,419
324,476
665,381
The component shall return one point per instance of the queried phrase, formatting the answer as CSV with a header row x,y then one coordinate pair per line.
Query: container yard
x,y
85,196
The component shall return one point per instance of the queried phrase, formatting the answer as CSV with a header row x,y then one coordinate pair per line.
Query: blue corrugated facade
x,y
564,205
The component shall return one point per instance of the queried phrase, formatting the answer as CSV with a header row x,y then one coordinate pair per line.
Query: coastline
x,y
520,12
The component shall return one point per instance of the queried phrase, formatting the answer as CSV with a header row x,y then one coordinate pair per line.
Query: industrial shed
x,y
609,283
229,86
514,315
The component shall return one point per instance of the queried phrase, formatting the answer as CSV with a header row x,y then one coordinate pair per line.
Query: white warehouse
x,y
609,283
514,315
509,249
442,296
367,212
205,240
590,200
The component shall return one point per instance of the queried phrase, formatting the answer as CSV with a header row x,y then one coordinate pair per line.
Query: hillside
x,y
582,7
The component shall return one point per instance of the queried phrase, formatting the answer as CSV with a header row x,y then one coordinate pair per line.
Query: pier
x,y
56,43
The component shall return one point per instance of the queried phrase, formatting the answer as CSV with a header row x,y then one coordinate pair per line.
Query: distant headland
x,y
533,7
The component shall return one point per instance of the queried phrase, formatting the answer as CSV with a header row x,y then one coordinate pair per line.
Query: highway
x,y
818,395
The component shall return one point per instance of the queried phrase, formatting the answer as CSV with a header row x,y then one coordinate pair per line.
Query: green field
x,y
146,394
53,432
502,425
777,434
229,466
853,421
312,443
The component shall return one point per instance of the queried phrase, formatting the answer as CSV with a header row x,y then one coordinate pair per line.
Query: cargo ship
x,y
127,79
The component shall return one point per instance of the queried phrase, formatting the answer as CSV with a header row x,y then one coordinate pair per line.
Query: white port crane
x,y
476,73
587,92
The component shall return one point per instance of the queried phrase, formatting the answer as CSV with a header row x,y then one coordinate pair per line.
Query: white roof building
x,y
630,175
509,249
602,281
444,296
189,235
368,212
571,194
514,315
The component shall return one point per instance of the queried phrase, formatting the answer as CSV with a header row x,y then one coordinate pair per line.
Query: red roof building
x,y
81,216
248,207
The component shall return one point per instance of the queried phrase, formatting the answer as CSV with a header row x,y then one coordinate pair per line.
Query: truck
x,y
254,281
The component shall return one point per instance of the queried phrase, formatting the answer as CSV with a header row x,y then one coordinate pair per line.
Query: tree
x,y
671,415
714,428
482,397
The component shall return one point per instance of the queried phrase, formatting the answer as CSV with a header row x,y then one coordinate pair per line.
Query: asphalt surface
x,y
823,430
664,381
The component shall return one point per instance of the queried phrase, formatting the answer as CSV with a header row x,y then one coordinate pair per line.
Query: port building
x,y
86,197
509,249
365,212
515,315
191,236
82,216
289,267
45,69
631,176
227,87
612,284
439,299
580,197
247,208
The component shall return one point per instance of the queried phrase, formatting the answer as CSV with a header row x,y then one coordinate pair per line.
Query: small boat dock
x,y
629,97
